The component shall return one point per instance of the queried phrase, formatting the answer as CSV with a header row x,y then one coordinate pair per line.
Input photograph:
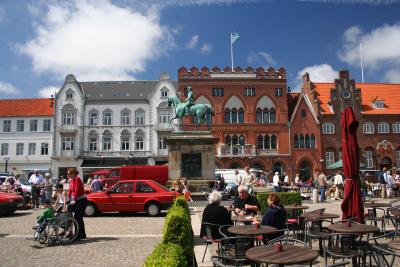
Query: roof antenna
x,y
361,63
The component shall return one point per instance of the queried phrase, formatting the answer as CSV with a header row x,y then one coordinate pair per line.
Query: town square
x,y
200,133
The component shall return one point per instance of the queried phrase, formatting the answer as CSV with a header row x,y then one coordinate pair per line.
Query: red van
x,y
138,172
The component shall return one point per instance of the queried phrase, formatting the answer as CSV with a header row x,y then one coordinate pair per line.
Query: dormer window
x,y
164,93
379,104
69,95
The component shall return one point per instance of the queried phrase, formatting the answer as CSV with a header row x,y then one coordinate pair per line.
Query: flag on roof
x,y
234,37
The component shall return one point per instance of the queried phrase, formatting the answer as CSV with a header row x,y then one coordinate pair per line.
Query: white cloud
x,y
8,89
393,76
47,92
95,40
206,49
318,73
193,42
3,14
262,58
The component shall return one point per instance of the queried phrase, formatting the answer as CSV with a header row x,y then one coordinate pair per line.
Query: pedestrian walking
x,y
322,186
36,180
338,182
382,182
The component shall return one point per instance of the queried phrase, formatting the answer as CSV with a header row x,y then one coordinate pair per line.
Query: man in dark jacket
x,y
382,180
215,214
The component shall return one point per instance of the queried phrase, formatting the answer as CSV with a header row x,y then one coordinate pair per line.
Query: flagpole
x,y
361,63
231,51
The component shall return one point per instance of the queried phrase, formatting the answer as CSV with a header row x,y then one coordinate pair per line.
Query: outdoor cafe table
x,y
355,228
376,205
298,207
394,244
314,216
289,255
251,230
244,218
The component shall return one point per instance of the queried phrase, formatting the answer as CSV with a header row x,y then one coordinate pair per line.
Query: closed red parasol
x,y
352,206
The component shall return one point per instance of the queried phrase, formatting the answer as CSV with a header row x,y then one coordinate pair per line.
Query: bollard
x,y
315,196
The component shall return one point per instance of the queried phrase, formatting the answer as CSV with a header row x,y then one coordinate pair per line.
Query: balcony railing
x,y
121,153
236,150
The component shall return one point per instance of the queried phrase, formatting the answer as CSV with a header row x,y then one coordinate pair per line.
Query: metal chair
x,y
291,241
374,219
235,248
223,231
339,264
210,237
219,261
381,253
314,230
340,246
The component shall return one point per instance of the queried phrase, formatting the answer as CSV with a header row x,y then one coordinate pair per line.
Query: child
x,y
42,220
61,198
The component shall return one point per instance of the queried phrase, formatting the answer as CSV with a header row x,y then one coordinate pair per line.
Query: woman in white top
x,y
61,198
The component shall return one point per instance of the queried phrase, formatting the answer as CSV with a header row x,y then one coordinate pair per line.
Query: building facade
x,y
26,135
376,107
107,124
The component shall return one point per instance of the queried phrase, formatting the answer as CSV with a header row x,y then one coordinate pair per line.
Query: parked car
x,y
137,172
131,196
10,202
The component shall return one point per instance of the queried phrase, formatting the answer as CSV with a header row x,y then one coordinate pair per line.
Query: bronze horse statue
x,y
196,110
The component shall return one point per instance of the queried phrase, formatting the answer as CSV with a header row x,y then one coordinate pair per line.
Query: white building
x,y
107,124
26,134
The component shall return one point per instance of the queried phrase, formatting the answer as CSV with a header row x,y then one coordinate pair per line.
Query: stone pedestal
x,y
191,155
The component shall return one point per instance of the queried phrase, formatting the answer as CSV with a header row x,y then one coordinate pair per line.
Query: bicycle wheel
x,y
52,234
67,230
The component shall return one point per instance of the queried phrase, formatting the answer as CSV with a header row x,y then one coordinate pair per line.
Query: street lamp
x,y
6,159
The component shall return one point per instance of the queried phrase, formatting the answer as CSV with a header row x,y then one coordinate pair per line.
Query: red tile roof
x,y
389,93
34,107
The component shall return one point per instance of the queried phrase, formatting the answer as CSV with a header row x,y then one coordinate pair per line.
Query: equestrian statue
x,y
189,108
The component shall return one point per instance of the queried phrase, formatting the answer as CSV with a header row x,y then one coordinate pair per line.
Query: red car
x,y
10,202
131,196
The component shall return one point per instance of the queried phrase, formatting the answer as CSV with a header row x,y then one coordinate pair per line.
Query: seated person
x,y
42,221
275,216
216,214
246,204
96,185
221,184
61,199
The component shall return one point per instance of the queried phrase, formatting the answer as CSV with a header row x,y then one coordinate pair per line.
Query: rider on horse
x,y
189,101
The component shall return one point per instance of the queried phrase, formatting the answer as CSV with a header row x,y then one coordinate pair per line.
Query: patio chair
x,y
219,261
281,234
374,219
368,246
212,236
381,252
293,222
291,241
339,246
338,264
235,248
314,230
223,231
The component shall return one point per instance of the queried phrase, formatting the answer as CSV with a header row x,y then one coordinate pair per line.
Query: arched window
x,y
107,140
312,141
125,140
235,140
259,115
228,140
265,115
267,144
241,115
107,117
273,142
296,141
302,145
242,140
164,112
93,140
93,118
260,142
139,117
234,116
139,140
125,117
227,115
68,113
307,141
272,118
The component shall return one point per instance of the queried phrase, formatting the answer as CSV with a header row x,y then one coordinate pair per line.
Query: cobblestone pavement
x,y
113,240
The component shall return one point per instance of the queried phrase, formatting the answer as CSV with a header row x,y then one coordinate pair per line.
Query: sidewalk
x,y
331,206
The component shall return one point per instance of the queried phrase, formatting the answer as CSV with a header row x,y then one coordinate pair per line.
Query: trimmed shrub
x,y
178,230
167,255
181,202
287,198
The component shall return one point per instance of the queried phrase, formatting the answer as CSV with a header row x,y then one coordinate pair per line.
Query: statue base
x,y
191,155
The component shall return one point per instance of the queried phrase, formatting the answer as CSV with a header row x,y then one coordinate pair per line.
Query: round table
x,y
394,244
376,205
355,228
314,216
245,218
229,208
251,230
298,207
289,255
395,212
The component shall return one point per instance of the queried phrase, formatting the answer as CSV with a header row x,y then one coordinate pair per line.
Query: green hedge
x,y
181,202
168,255
178,230
287,198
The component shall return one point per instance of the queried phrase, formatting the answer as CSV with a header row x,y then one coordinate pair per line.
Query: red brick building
x,y
259,123
377,108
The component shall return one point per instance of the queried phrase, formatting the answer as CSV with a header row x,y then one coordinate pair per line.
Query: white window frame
x,y
46,125
162,144
107,142
329,158
368,128
328,128
32,149
19,149
107,120
139,117
69,95
20,125
7,126
67,143
164,116
33,125
93,118
139,143
379,104
164,93
398,158
44,149
125,117
396,129
369,159
93,140
4,149
383,127
125,142
68,118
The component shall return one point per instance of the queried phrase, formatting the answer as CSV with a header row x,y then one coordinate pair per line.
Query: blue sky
x,y
42,41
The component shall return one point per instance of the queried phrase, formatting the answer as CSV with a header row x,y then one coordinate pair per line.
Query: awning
x,y
339,164
32,167
102,163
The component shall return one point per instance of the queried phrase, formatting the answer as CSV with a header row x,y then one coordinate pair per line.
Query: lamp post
x,y
6,167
